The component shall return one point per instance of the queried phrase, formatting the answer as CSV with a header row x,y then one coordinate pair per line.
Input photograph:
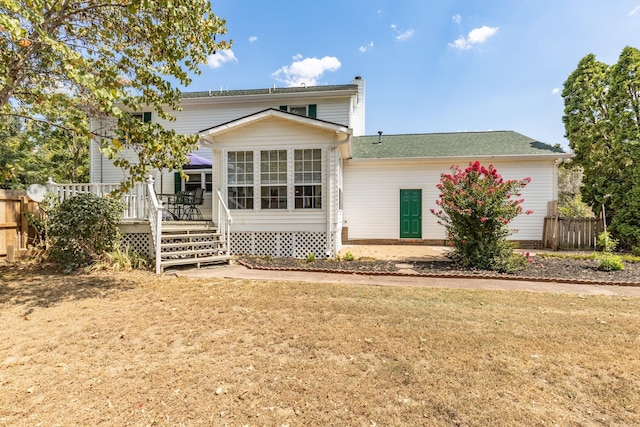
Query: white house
x,y
299,176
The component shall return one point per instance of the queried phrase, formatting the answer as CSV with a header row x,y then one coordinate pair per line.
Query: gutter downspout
x,y
329,250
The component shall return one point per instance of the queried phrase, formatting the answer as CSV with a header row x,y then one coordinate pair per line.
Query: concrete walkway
x,y
404,253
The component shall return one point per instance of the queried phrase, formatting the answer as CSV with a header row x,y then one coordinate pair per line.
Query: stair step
x,y
166,245
189,235
188,226
198,261
192,254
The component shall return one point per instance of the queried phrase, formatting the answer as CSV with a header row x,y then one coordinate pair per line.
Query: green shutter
x,y
146,116
313,111
284,108
177,182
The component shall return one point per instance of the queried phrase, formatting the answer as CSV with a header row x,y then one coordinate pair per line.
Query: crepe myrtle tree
x,y
103,60
476,206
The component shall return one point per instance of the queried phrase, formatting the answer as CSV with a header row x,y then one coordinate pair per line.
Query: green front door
x,y
410,214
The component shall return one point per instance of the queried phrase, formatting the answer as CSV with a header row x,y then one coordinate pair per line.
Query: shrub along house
x,y
298,176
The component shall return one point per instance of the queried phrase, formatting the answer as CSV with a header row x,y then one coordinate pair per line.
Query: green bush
x,y
607,243
82,228
477,205
311,257
575,208
349,256
610,262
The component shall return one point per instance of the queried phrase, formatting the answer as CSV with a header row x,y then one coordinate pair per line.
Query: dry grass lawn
x,y
137,349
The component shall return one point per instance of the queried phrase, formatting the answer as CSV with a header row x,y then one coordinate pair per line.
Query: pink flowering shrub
x,y
476,206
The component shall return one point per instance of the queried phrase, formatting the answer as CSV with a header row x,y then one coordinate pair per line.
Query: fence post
x,y
24,227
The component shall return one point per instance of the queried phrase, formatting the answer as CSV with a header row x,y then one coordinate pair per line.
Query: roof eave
x,y
553,156
274,96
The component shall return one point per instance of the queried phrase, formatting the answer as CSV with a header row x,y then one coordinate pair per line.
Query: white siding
x,y
199,114
272,134
372,189
196,117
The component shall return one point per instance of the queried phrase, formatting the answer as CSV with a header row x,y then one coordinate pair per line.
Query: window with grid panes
x,y
308,178
240,179
310,110
273,179
197,179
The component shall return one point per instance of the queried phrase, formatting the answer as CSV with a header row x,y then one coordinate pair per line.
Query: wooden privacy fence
x,y
571,233
14,227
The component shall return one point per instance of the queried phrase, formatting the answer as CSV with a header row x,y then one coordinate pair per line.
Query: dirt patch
x,y
140,349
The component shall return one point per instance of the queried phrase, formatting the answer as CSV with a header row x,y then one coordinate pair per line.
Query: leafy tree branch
x,y
104,59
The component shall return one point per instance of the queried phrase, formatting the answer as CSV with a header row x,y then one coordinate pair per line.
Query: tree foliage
x,y
602,123
86,58
30,153
570,204
477,205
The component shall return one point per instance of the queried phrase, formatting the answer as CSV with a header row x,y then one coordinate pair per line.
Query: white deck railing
x,y
136,206
155,222
224,221
141,202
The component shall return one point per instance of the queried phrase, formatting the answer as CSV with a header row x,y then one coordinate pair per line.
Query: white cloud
x,y
457,18
634,11
253,39
220,57
365,48
555,90
402,35
480,35
306,71
475,37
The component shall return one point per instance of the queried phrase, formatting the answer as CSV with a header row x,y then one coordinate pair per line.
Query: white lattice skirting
x,y
138,242
279,244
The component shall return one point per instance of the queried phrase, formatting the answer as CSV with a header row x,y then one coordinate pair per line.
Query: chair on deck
x,y
194,199
178,204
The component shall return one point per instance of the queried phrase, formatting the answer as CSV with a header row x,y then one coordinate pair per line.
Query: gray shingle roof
x,y
281,90
457,144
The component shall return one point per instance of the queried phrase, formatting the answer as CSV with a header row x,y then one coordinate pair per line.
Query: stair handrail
x,y
224,226
155,221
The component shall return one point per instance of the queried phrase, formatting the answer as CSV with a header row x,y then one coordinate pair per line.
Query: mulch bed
x,y
542,268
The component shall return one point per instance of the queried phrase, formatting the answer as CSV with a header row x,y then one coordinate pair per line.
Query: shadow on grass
x,y
34,286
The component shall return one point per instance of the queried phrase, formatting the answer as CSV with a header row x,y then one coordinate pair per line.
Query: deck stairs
x,y
191,243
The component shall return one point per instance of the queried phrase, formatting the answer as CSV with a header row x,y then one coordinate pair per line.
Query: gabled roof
x,y
456,144
343,133
302,90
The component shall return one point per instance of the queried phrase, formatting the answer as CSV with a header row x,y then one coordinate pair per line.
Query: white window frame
x,y
206,179
304,179
231,203
290,184
273,190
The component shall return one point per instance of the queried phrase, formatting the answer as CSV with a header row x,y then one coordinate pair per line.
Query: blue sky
x,y
429,65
